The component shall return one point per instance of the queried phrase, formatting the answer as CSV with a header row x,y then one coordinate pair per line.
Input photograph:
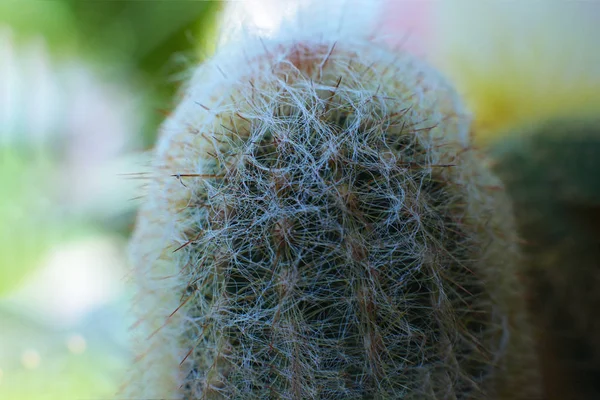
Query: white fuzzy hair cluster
x,y
317,226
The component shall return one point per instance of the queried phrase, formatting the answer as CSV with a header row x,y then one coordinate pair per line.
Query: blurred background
x,y
84,86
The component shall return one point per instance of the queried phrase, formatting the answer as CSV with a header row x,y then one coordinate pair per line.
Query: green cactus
x,y
318,226
551,171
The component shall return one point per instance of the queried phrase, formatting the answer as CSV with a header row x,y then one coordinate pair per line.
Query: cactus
x,y
551,170
318,226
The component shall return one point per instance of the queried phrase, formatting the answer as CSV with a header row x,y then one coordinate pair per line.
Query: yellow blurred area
x,y
516,63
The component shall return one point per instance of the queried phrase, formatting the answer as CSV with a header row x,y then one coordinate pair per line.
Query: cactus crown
x,y
329,254
330,234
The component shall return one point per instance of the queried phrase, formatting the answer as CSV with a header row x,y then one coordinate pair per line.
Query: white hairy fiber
x,y
314,168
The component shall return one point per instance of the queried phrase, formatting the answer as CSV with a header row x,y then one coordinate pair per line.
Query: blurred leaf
x,y
155,41
51,19
30,222
21,242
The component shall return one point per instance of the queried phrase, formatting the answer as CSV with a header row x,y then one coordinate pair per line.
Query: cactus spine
x,y
318,226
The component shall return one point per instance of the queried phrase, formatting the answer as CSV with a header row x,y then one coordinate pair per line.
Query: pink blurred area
x,y
408,23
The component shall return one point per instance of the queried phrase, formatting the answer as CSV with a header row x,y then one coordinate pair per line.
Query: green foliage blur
x,y
153,43
57,210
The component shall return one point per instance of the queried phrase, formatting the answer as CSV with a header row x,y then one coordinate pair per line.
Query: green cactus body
x,y
551,171
318,227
